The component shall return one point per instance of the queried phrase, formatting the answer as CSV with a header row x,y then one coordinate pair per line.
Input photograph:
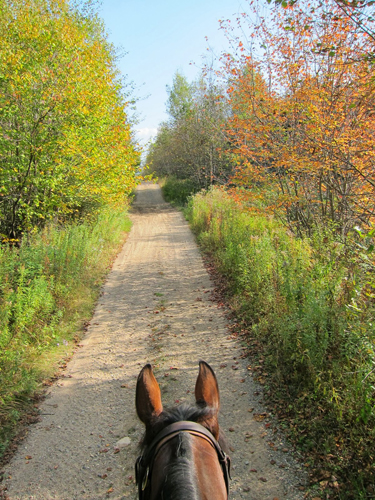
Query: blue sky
x,y
161,37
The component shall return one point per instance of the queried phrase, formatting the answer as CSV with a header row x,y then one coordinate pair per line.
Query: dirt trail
x,y
155,308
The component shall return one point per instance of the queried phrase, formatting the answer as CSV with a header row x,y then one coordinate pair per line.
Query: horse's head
x,y
181,457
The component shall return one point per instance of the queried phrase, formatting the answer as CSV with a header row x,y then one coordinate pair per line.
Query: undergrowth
x,y
309,304
48,287
177,191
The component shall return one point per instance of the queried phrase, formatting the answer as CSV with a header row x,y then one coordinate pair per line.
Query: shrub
x,y
307,301
47,289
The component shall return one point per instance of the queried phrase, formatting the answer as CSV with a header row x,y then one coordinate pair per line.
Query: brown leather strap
x,y
145,462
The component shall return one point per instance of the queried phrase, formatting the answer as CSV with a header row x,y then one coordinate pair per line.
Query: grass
x,y
48,289
307,309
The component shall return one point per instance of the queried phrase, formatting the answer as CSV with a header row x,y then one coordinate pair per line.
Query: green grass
x,y
307,307
48,288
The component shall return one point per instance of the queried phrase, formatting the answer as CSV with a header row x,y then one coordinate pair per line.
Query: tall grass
x,y
47,289
308,303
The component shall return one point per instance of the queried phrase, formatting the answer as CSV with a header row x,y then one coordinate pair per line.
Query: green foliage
x,y
47,286
65,137
309,302
192,144
180,98
178,191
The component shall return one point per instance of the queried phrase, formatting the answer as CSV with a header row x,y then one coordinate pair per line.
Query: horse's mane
x,y
185,411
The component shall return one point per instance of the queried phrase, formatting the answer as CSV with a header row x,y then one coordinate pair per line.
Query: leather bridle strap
x,y
143,466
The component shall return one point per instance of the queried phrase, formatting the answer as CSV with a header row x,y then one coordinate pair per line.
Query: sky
x,y
160,38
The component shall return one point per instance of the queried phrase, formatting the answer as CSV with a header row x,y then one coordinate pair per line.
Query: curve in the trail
x,y
155,307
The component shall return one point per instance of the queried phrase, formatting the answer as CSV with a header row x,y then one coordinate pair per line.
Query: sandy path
x,y
155,308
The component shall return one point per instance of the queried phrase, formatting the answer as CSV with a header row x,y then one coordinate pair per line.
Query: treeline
x,y
289,120
66,144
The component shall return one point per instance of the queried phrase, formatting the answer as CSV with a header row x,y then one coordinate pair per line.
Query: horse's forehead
x,y
183,446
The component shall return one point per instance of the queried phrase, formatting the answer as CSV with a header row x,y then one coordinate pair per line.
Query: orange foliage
x,y
302,129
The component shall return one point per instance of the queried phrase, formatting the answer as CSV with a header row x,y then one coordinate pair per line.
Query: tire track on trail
x,y
154,308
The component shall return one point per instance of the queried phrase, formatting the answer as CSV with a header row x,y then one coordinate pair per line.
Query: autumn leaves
x,y
302,124
287,115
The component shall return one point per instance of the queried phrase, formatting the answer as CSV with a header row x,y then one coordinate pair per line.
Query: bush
x,y
47,289
307,301
178,191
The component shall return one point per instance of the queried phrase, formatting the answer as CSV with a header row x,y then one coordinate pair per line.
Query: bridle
x,y
145,462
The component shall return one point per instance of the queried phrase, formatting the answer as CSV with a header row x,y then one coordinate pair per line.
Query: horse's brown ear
x,y
207,394
206,387
147,395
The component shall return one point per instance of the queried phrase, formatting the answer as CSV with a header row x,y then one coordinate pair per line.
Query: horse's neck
x,y
179,480
189,471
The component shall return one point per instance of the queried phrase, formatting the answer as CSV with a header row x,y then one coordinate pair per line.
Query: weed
x,y
306,301
48,288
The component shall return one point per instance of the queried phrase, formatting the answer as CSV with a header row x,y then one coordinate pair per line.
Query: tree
x,y
192,143
302,128
65,139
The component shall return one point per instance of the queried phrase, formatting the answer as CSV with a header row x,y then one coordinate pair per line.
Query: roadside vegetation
x,y
303,308
49,286
177,191
286,212
66,142
68,166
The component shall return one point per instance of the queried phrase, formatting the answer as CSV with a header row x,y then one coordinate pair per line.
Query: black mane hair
x,y
185,411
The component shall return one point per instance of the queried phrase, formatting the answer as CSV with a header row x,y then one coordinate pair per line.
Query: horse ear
x,y
147,395
206,387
